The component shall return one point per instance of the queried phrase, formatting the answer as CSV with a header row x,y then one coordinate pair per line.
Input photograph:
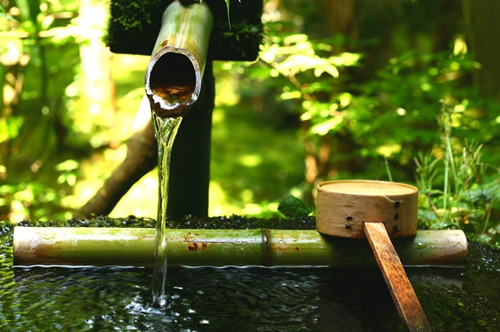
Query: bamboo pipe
x,y
220,247
175,71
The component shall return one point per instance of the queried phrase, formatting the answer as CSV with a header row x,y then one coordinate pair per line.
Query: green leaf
x,y
293,207
9,127
325,127
488,192
68,165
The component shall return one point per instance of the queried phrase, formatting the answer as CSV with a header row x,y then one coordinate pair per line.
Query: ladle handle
x,y
401,290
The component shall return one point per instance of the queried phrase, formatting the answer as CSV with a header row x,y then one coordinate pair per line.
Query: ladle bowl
x,y
344,206
376,210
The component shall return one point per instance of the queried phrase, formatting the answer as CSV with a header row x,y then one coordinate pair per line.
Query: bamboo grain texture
x,y
221,247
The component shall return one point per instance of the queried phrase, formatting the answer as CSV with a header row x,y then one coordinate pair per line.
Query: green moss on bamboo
x,y
134,25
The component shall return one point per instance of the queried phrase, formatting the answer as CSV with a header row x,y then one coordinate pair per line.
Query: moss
x,y
469,299
240,222
98,221
231,222
482,258
134,26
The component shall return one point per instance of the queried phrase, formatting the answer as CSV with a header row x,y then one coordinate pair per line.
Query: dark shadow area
x,y
173,78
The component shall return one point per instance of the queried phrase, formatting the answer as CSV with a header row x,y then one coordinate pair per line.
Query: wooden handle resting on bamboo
x,y
379,211
395,277
219,247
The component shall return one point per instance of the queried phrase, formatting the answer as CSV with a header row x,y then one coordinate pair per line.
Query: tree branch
x,y
142,157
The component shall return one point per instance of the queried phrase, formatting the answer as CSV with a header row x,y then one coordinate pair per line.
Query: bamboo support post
x,y
204,247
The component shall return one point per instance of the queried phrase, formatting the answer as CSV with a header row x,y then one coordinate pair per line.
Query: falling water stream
x,y
173,84
170,100
166,130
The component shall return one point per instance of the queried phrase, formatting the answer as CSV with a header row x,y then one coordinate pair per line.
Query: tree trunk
x,y
335,17
483,32
332,154
141,158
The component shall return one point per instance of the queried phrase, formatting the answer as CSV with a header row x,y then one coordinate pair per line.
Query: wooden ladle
x,y
378,211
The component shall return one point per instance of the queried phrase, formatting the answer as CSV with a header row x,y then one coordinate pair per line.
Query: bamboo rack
x,y
221,247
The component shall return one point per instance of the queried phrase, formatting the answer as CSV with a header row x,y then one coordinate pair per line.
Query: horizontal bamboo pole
x,y
221,247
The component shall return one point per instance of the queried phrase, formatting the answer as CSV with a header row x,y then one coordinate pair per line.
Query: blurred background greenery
x,y
402,90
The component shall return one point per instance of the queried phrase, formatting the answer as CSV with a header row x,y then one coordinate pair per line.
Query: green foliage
x,y
389,117
411,105
395,114
458,189
293,207
418,103
39,60
37,200
254,162
308,72
9,128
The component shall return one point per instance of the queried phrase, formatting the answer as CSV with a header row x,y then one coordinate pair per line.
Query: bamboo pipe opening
x,y
173,83
174,74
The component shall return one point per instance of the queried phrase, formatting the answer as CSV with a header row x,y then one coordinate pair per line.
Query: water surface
x,y
242,299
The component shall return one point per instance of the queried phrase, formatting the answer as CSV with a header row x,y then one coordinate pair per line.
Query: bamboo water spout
x,y
173,84
175,71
